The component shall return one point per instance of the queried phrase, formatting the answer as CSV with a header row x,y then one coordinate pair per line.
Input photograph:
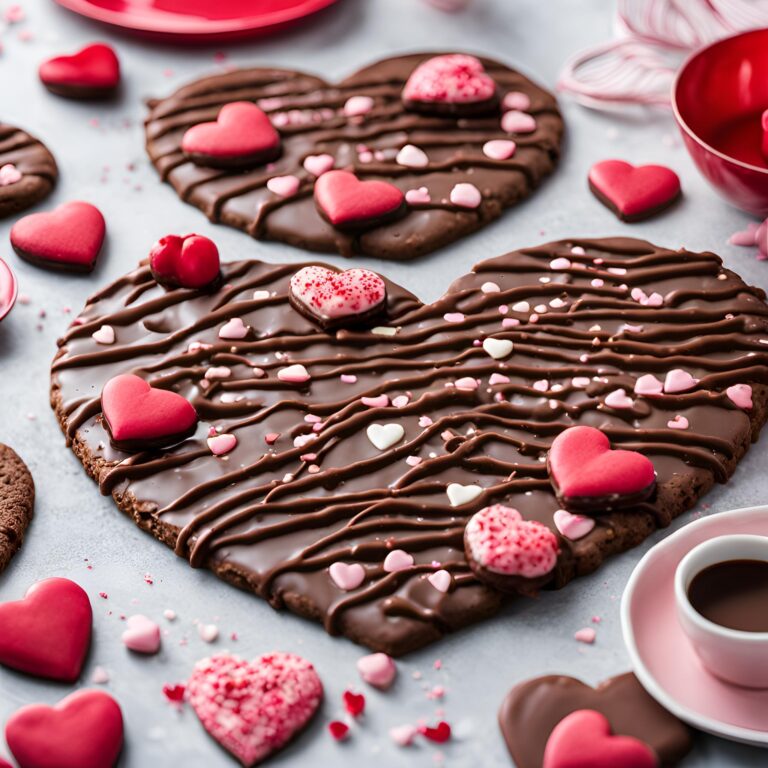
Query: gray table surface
x,y
80,535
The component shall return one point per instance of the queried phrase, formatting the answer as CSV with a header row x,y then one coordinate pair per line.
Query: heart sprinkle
x,y
377,669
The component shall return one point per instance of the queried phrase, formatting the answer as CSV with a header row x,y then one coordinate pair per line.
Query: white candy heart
x,y
459,494
347,576
384,436
294,374
105,335
498,349
440,580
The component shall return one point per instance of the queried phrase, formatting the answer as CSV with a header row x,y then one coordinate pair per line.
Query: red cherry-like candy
x,y
187,261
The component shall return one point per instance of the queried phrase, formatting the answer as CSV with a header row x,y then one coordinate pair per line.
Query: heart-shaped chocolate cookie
x,y
468,394
458,137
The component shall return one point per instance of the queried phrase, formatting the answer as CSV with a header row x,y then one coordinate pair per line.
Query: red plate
x,y
8,289
200,21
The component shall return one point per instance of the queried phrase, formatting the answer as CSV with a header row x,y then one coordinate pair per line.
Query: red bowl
x,y
718,98
9,288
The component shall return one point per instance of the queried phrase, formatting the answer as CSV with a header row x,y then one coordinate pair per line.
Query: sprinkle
x,y
233,329
619,399
516,121
347,576
380,401
317,165
417,196
99,676
377,669
208,632
354,703
441,580
586,635
403,735
560,263
521,306
466,383
358,105
284,186
740,395
380,330
679,422
466,195
498,349
412,157
490,287
221,444
339,731
218,372
105,335
453,317
260,295
516,100
348,378
499,149
397,560
294,374
413,461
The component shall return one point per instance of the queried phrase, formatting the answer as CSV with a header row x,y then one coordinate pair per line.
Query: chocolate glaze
x,y
36,164
734,594
454,145
263,518
532,709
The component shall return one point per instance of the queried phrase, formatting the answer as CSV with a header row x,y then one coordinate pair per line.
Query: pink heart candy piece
x,y
679,422
441,580
142,635
516,100
416,196
740,395
233,329
516,121
105,335
397,560
283,186
572,526
317,165
499,149
221,444
347,576
377,669
678,380
648,384
619,399
466,195
9,174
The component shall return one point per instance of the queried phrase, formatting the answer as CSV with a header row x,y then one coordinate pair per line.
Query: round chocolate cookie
x,y
448,162
532,709
28,171
17,501
334,469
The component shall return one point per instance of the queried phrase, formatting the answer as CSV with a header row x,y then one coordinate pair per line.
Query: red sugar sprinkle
x,y
439,734
354,703
174,693
338,730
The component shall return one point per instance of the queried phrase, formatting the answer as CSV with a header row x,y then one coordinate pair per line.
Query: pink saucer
x,y
661,654
8,289
196,21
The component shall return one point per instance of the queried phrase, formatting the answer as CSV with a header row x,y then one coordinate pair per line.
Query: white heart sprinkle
x,y
459,494
105,335
384,436
498,349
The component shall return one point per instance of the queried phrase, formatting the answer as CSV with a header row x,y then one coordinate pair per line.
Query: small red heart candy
x,y
254,708
354,703
187,261
242,136
349,203
93,72
84,730
141,416
47,633
455,82
587,474
68,238
583,739
439,734
634,192
330,296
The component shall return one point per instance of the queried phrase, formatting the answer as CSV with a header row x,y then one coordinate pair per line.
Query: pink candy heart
x,y
283,186
397,560
254,708
233,329
572,526
450,79
740,395
515,121
466,195
346,576
9,174
377,669
440,580
221,444
317,165
142,635
648,385
619,399
678,380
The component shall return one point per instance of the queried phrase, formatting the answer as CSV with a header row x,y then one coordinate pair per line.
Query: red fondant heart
x,y
69,237
451,79
583,740
586,472
85,730
191,261
254,708
95,67
140,416
48,632
241,136
634,190
349,203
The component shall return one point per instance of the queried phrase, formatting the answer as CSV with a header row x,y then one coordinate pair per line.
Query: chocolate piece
x,y
532,709
360,125
28,171
17,501
306,487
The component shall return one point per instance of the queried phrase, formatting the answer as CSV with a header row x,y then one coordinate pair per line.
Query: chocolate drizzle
x,y
36,165
309,114
305,487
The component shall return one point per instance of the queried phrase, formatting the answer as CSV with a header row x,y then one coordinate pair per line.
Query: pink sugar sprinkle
x,y
586,635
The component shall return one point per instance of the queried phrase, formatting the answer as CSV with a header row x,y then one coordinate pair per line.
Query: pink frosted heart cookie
x,y
253,709
508,552
242,136
333,298
140,416
451,84
588,475
91,73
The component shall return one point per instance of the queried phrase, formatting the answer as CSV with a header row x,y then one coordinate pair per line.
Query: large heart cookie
x,y
420,137
536,718
477,385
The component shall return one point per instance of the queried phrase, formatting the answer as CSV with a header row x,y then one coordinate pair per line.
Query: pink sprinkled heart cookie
x,y
334,298
91,73
589,476
69,238
454,84
508,552
633,192
84,730
253,709
584,739
48,632
349,203
141,416
241,137
189,261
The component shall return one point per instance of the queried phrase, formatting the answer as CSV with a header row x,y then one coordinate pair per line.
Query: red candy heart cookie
x,y
351,204
85,730
331,297
189,261
634,192
584,740
92,73
455,83
508,552
48,633
68,238
141,416
241,137
588,475
254,708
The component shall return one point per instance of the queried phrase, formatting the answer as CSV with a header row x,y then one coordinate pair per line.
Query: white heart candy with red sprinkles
x,y
254,708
